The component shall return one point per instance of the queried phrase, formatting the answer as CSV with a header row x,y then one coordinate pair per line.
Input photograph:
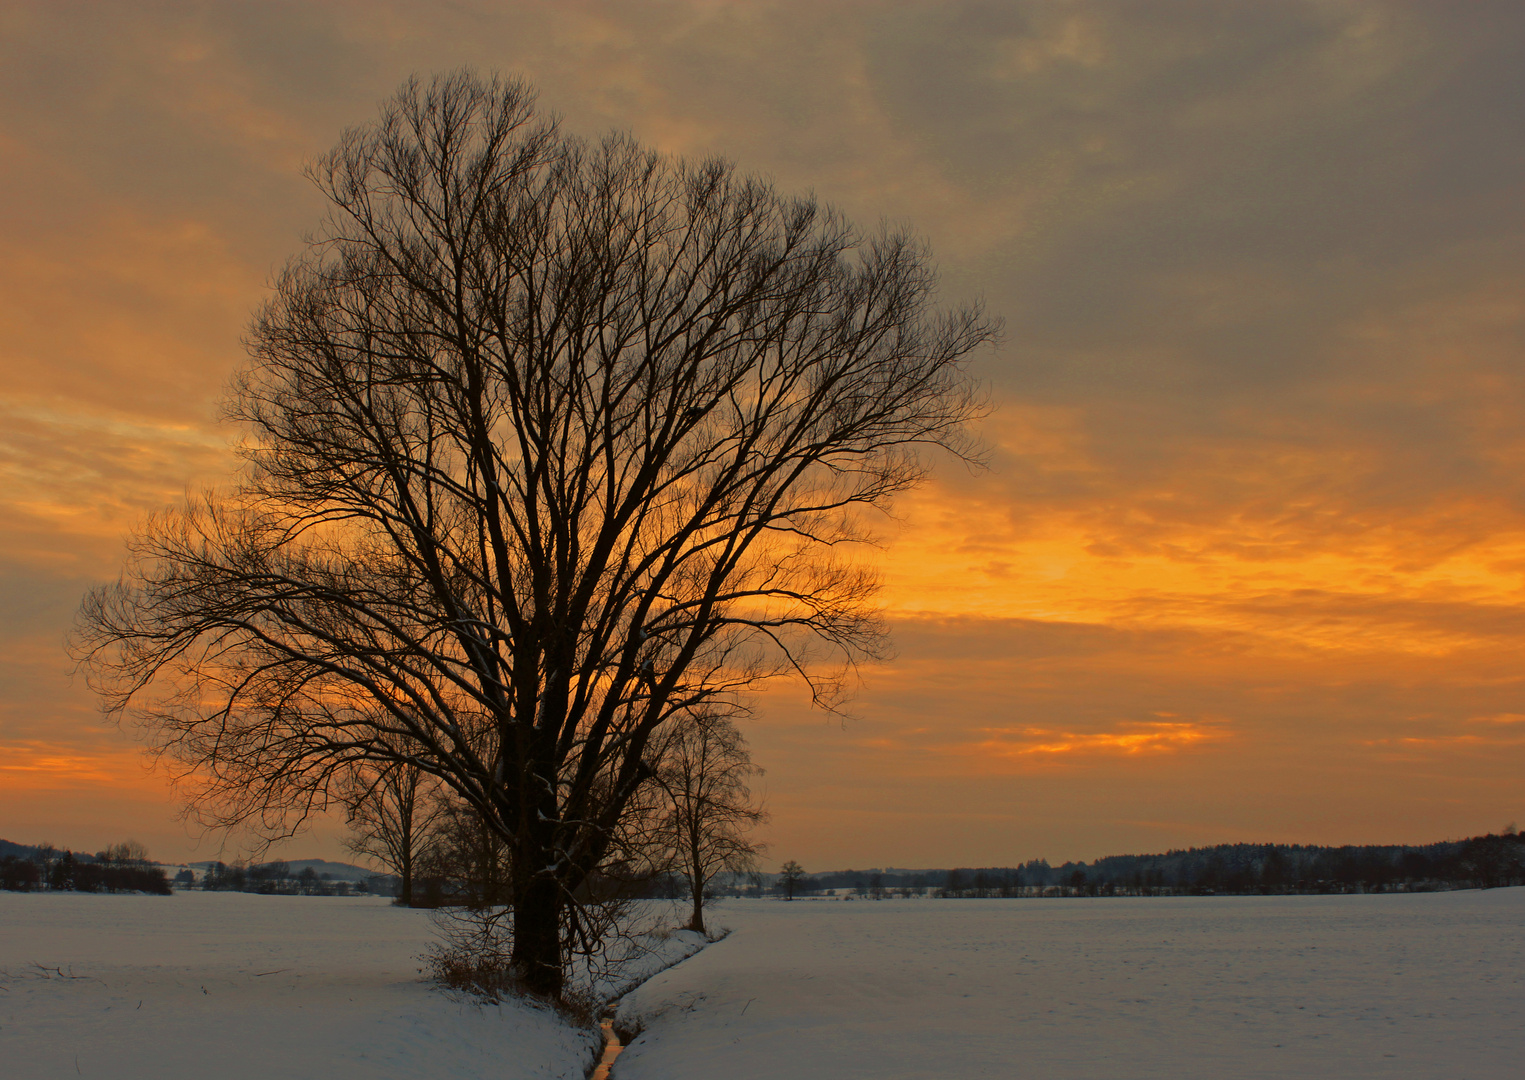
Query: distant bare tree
x,y
128,853
392,809
705,769
550,443
789,877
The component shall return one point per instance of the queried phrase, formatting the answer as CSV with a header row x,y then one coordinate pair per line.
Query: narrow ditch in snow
x,y
614,1038
612,1048
614,1042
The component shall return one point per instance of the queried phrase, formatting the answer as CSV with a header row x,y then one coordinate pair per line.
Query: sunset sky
x,y
1249,559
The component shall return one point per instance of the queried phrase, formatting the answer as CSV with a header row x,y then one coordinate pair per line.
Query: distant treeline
x,y
126,868
120,868
278,879
1482,862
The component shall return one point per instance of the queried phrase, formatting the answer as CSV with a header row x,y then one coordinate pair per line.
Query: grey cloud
x,y
1261,261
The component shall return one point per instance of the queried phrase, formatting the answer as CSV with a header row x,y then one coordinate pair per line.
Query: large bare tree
x,y
549,442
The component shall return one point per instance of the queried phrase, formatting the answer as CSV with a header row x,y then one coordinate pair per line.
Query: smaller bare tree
x,y
705,766
789,877
393,813
466,863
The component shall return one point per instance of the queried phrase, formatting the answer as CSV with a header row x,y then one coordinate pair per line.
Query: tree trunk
x,y
537,896
537,936
696,878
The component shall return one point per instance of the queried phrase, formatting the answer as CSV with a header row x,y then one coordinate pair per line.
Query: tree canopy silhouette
x,y
549,441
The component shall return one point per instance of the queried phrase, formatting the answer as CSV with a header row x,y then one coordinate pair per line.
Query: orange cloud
x,y
1146,737
1499,737
1500,718
33,766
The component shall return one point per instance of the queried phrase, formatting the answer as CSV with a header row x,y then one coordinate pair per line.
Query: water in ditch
x,y
612,1048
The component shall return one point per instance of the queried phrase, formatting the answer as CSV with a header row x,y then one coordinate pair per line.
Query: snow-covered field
x,y
231,985
1309,987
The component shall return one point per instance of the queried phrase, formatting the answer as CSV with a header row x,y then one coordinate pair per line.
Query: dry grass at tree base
x,y
473,955
473,948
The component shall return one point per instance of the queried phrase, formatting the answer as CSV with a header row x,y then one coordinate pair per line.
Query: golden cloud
x,y
33,766
1150,737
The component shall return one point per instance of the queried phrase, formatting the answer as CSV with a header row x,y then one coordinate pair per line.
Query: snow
x,y
651,948
235,985
1423,985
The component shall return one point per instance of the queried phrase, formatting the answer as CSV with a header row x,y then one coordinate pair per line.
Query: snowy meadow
x,y
237,985
1389,985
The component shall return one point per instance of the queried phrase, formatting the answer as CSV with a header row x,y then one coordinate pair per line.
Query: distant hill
x,y
336,871
9,850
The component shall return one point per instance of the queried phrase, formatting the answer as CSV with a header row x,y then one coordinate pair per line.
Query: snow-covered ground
x,y
1309,987
232,985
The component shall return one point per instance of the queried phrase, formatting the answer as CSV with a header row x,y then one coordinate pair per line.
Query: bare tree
x,y
129,853
789,877
467,862
705,769
392,809
549,442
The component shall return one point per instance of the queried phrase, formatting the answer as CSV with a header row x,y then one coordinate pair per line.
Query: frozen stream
x,y
1429,985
